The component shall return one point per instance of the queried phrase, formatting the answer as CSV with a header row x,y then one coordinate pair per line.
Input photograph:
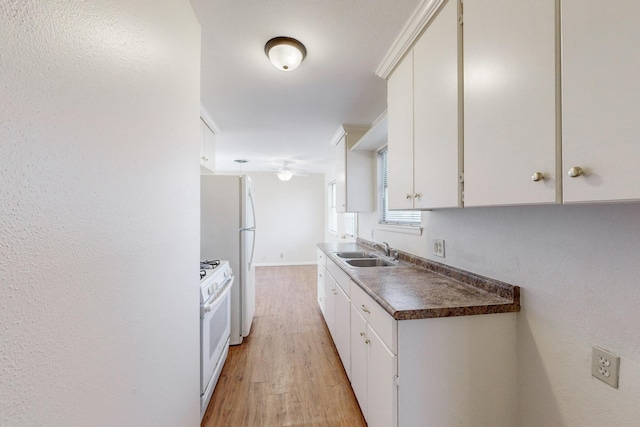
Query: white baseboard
x,y
279,264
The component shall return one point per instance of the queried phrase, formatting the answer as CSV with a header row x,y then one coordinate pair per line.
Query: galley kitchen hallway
x,y
287,372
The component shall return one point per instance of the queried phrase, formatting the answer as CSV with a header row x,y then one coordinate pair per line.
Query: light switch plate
x,y
438,247
605,366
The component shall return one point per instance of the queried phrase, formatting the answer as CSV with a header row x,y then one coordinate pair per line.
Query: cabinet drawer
x,y
385,326
340,276
322,258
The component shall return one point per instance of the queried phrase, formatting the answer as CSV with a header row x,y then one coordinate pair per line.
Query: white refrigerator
x,y
228,232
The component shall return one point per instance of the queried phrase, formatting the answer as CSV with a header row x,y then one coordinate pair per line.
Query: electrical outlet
x,y
438,248
605,366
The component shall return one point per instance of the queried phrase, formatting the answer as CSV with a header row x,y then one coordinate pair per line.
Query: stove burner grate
x,y
209,264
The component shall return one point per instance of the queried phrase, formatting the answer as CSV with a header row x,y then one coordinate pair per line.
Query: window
x,y
350,224
349,220
332,214
387,216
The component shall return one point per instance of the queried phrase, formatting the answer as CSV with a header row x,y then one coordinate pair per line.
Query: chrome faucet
x,y
387,249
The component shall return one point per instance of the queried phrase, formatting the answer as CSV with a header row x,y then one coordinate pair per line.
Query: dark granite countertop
x,y
419,288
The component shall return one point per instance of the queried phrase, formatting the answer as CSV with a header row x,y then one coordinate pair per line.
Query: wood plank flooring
x,y
287,372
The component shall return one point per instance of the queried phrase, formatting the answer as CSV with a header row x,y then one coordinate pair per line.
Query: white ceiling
x,y
268,116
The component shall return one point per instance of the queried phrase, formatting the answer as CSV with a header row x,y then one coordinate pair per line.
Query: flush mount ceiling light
x,y
285,53
285,175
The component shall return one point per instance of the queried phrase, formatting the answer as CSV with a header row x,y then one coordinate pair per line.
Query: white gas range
x,y
216,279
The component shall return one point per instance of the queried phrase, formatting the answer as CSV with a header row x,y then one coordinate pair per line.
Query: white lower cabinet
x,y
359,359
322,274
330,304
425,372
336,311
373,374
341,337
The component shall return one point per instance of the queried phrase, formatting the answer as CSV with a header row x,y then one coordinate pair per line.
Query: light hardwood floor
x,y
287,372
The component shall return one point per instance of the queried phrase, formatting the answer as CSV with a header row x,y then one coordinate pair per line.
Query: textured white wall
x,y
99,213
290,218
578,269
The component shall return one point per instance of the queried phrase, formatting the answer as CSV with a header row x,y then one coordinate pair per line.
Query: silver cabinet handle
x,y
367,341
538,176
417,195
409,196
364,308
576,171
361,333
334,291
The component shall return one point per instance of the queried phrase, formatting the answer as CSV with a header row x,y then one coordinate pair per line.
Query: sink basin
x,y
359,254
370,262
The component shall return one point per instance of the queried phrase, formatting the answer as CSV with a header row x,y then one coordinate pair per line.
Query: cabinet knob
x,y
364,308
538,176
204,158
361,333
409,196
417,195
334,291
320,275
367,341
576,171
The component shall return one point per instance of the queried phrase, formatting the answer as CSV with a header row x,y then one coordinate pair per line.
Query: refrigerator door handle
x,y
253,228
253,246
248,229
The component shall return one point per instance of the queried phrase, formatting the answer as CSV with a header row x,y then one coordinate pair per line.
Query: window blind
x,y
387,216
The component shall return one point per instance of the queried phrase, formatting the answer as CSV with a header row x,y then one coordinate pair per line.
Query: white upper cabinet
x,y
437,148
207,147
601,99
400,143
425,156
510,130
355,172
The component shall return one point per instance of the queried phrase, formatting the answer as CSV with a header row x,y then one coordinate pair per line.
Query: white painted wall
x,y
99,213
578,269
289,217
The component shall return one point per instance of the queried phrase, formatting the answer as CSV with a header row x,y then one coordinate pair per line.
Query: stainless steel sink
x,y
358,254
370,262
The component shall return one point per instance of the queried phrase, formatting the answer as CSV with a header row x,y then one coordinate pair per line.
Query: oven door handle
x,y
223,293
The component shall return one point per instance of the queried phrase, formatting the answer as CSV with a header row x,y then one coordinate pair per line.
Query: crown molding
x,y
346,129
407,37
206,118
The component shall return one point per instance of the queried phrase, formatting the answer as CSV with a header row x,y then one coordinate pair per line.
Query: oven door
x,y
215,330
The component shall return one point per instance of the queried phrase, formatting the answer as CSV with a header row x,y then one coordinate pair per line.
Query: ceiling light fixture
x,y
285,53
285,175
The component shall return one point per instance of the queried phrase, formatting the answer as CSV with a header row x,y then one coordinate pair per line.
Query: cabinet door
x,y
400,114
437,154
382,391
510,102
601,99
341,176
203,156
359,359
330,304
209,149
342,338
322,273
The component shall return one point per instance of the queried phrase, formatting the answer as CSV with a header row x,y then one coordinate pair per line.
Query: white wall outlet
x,y
605,366
438,247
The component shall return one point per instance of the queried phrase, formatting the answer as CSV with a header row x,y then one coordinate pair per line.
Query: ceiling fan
x,y
285,173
